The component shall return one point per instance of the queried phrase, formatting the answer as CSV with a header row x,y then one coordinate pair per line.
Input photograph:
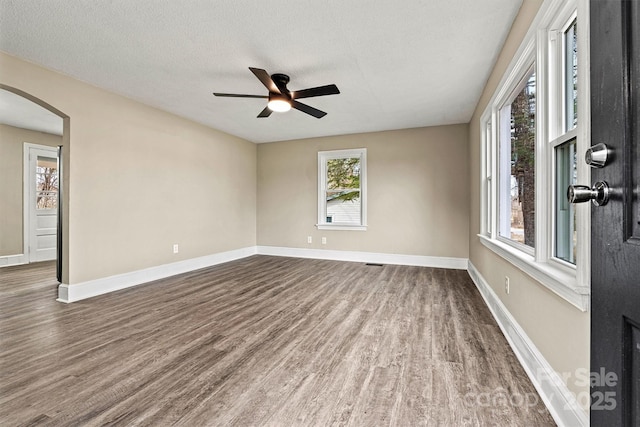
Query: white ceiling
x,y
398,64
22,113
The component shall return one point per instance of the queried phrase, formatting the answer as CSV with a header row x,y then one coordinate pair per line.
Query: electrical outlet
x,y
324,240
175,248
506,285
309,239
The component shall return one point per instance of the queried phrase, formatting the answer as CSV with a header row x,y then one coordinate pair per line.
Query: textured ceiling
x,y
399,64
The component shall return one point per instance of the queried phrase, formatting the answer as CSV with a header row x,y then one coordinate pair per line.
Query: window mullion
x,y
494,173
544,180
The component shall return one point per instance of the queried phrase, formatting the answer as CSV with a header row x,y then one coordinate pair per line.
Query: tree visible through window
x,y
341,188
46,183
343,179
523,154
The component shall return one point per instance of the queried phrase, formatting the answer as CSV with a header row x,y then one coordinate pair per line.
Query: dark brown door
x,y
615,228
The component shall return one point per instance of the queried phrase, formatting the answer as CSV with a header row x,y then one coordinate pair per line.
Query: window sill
x,y
341,227
554,278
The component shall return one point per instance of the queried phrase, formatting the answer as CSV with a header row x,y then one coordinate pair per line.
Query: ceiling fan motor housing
x,y
281,81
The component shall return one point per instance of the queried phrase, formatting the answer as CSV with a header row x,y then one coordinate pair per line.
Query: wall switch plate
x,y
506,285
175,248
309,239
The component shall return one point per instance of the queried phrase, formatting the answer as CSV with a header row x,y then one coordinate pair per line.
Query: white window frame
x,y
543,44
323,157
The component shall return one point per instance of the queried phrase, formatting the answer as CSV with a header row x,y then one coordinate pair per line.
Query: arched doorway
x,y
34,141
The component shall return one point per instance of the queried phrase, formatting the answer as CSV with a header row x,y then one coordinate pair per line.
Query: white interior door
x,y
42,202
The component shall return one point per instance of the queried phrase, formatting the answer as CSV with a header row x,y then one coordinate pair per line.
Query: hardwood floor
x,y
261,341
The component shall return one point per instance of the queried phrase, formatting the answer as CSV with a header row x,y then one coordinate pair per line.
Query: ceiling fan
x,y
282,99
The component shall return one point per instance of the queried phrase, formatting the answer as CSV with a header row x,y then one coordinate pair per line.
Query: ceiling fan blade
x,y
265,78
236,95
265,113
316,91
307,109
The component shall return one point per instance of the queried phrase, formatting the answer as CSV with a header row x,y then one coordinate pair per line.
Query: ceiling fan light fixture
x,y
279,103
280,98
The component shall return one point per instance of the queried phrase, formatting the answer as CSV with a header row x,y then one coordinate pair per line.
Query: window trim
x,y
323,156
570,282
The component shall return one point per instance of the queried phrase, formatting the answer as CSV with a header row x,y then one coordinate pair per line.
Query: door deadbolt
x,y
599,194
597,156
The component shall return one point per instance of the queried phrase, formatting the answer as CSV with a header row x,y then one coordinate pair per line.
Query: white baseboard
x,y
373,257
7,260
79,291
91,288
561,402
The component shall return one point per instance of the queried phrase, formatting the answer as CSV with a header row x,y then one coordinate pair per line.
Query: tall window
x,y
563,141
517,164
342,189
534,131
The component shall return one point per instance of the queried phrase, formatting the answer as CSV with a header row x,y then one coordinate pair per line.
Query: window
x,y
517,164
487,188
533,131
46,183
563,137
570,71
565,245
342,189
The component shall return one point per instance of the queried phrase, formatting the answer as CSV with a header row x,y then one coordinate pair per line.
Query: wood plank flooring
x,y
263,341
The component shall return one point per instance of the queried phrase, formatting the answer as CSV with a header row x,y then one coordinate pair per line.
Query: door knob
x,y
599,194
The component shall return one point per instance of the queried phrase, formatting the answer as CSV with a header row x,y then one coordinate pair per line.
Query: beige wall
x,y
558,329
12,141
417,193
141,179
